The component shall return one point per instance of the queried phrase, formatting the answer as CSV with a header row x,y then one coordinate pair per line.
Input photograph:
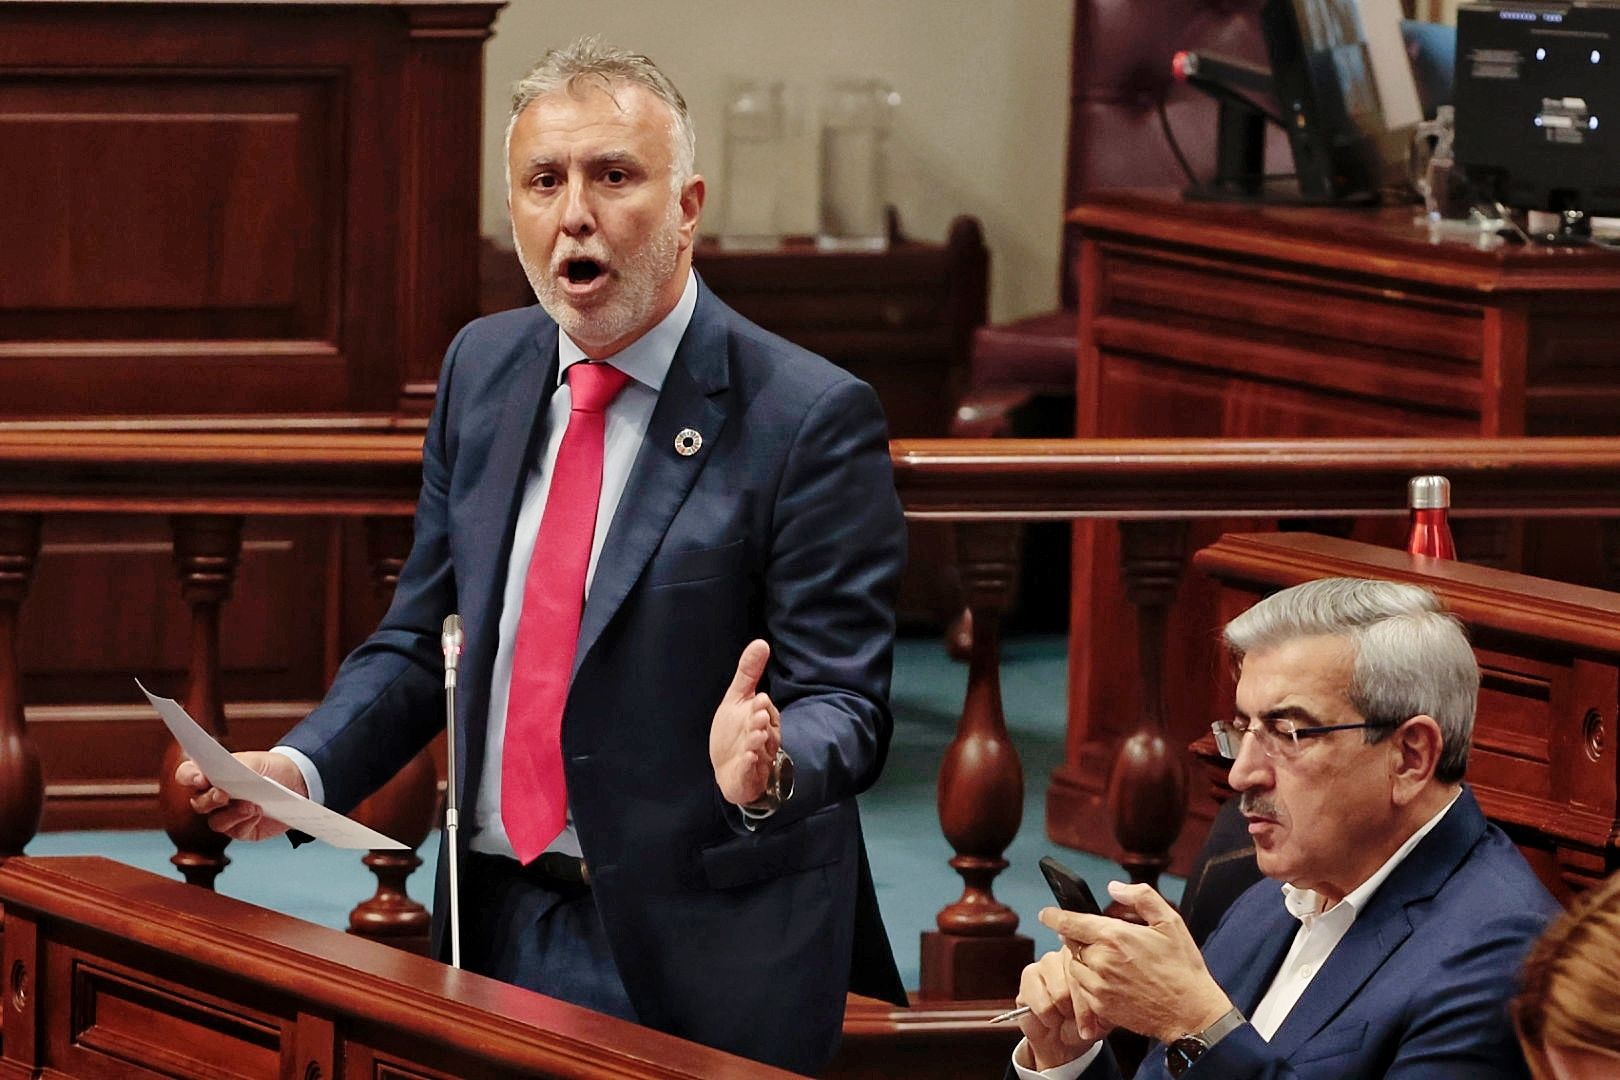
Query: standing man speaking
x,y
675,542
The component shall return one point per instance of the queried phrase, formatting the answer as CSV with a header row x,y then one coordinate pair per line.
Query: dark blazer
x,y
1418,987
786,526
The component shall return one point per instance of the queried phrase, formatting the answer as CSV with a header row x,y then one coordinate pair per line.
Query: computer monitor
x,y
1325,92
1538,105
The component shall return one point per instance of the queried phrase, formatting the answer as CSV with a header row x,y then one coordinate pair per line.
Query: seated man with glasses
x,y
1391,945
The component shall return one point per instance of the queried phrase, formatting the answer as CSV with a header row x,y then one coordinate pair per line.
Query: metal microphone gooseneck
x,y
450,640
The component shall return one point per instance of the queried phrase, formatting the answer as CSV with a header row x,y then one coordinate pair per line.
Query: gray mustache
x,y
1257,806
560,259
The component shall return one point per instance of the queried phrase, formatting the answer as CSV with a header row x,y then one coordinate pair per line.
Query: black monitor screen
x,y
1327,97
1538,104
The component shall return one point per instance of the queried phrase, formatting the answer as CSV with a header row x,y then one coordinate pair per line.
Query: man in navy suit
x,y
1392,946
695,862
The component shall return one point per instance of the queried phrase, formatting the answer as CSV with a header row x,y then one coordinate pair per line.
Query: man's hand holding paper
x,y
256,794
238,818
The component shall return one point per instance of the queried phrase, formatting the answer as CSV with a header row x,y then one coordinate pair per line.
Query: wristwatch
x,y
778,789
1180,1054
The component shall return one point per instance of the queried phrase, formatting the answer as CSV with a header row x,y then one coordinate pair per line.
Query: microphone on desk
x,y
1226,71
451,637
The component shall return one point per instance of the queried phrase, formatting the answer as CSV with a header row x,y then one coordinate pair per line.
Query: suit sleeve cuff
x,y
1243,1052
312,775
1069,1070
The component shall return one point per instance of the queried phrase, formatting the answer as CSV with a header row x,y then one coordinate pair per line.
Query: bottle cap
x,y
1428,493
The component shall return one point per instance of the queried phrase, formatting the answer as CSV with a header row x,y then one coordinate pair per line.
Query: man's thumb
x,y
1149,906
750,666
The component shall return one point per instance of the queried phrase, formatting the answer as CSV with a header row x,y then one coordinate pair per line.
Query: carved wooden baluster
x,y
976,952
1147,789
22,790
405,808
207,548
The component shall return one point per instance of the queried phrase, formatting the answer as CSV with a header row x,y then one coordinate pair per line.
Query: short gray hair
x,y
589,58
1411,656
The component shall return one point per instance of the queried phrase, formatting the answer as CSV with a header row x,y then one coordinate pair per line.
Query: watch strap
x,y
1223,1027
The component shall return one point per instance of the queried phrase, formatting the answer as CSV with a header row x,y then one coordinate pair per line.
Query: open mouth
x,y
582,271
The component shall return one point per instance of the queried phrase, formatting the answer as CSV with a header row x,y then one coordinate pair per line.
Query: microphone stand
x,y
450,640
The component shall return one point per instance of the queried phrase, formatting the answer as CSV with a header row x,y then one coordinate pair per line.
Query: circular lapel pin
x,y
688,442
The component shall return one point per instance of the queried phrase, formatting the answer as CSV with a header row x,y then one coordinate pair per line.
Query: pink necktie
x,y
534,793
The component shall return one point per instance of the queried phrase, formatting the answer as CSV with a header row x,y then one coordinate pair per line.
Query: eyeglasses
x,y
1280,737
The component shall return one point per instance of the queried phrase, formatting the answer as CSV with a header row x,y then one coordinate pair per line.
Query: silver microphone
x,y
450,640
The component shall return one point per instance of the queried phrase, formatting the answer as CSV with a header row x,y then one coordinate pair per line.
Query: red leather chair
x,y
1022,373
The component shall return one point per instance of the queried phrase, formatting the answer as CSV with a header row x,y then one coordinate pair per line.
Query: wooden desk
x,y
114,972
1214,320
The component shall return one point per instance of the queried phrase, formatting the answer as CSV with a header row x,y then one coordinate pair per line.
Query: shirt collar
x,y
646,359
1305,904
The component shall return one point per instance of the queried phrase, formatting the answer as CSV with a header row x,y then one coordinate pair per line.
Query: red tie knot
x,y
593,386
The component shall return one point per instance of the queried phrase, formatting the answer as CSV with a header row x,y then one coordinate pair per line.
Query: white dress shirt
x,y
1319,933
647,361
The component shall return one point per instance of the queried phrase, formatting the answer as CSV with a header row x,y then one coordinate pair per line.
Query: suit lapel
x,y
1385,925
1246,970
495,498
492,508
692,397
1372,939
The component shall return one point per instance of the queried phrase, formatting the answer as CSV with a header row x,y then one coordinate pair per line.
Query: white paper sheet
x,y
240,782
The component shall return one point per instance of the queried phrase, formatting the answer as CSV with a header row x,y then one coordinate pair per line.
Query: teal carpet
x,y
909,855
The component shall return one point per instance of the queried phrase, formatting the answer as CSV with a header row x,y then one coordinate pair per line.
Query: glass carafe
x,y
753,153
856,117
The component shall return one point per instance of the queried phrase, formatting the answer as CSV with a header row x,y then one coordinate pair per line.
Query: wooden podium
x,y
1222,320
112,972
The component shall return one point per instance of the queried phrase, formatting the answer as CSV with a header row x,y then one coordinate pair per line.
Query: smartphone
x,y
1070,890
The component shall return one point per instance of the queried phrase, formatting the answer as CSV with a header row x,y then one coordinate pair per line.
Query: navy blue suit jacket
x,y
1418,987
786,526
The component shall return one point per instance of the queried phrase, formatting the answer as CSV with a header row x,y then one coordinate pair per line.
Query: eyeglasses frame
x,y
1222,738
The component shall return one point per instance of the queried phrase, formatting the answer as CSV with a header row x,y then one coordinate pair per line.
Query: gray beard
x,y
641,277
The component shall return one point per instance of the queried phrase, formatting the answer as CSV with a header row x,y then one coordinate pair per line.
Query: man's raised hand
x,y
235,818
746,732
1148,978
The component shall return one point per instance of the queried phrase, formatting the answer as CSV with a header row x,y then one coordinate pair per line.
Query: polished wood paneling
x,y
215,213
1226,321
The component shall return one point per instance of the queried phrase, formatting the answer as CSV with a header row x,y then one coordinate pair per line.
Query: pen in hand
x,y
1022,1010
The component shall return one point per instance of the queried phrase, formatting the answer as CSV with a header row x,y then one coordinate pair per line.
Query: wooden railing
x,y
209,481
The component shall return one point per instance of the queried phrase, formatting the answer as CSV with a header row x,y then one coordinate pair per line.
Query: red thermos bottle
x,y
1430,500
